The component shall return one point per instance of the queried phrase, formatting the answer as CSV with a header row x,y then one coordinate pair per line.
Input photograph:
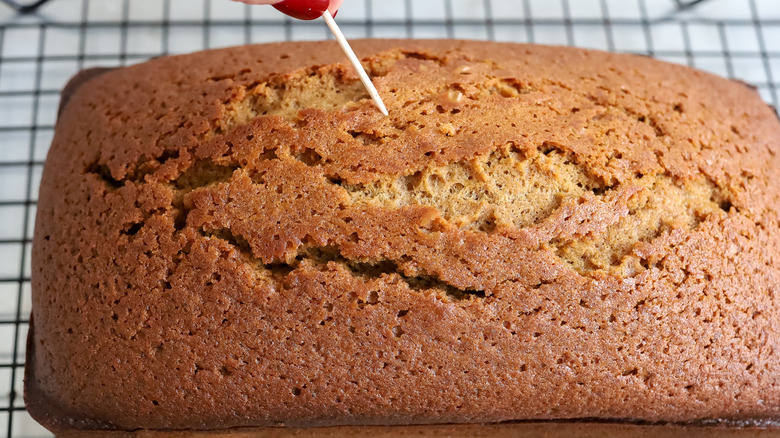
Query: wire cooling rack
x,y
40,51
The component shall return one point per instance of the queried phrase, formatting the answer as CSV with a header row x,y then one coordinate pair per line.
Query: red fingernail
x,y
303,9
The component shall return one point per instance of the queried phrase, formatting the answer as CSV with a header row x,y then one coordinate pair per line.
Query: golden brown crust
x,y
76,82
238,238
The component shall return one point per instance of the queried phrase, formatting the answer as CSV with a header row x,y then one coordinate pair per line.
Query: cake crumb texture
x,y
238,238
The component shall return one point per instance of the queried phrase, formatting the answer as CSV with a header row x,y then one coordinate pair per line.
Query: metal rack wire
x,y
38,53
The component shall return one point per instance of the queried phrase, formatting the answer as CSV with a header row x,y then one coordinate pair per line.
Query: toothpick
x,y
355,62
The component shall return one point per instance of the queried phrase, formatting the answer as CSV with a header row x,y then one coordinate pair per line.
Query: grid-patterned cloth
x,y
38,53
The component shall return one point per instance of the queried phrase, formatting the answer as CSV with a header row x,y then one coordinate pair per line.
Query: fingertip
x,y
334,7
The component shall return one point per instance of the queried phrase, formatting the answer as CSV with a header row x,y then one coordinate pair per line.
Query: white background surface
x,y
38,54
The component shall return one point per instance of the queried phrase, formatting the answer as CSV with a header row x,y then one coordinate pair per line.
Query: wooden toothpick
x,y
355,62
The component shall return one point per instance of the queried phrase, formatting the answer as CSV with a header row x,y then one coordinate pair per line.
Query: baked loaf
x,y
239,238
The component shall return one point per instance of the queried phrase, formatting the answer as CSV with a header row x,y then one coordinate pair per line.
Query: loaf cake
x,y
238,238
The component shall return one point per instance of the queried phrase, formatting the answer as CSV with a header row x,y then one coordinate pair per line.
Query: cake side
x,y
238,238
